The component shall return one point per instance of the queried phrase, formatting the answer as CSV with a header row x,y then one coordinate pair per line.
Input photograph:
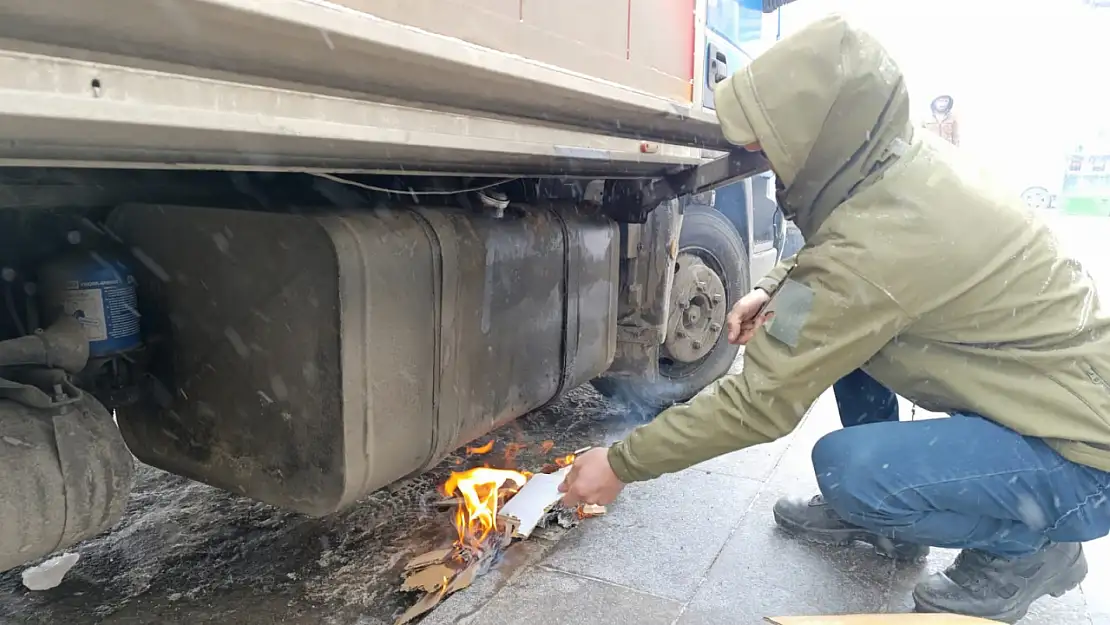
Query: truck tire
x,y
708,241
792,241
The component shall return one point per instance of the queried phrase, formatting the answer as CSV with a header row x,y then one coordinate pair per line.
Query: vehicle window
x,y
739,21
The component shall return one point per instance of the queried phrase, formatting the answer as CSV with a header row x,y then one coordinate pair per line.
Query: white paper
x,y
533,500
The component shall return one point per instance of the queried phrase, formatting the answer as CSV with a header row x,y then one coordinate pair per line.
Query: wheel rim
x,y
1035,197
699,304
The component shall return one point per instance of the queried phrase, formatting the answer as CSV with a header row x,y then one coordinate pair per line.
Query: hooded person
x,y
916,278
943,122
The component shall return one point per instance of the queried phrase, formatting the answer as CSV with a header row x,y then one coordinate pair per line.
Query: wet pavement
x,y
695,547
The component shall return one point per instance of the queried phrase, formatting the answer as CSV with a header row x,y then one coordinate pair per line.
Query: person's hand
x,y
745,317
591,480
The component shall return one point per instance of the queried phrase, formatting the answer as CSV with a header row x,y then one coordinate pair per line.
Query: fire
x,y
483,449
565,461
479,490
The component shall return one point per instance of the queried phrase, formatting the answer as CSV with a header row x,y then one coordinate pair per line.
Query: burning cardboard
x,y
492,506
439,556
441,572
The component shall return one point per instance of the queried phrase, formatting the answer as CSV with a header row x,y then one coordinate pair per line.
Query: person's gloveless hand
x,y
745,317
591,480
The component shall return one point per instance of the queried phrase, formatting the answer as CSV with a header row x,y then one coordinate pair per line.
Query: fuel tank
x,y
308,359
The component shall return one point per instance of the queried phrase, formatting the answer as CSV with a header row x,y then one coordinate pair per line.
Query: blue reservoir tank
x,y
98,289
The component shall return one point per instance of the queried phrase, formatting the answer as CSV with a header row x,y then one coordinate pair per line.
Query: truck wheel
x,y
792,241
711,274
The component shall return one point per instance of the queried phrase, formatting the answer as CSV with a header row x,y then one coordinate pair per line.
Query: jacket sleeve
x,y
770,283
828,322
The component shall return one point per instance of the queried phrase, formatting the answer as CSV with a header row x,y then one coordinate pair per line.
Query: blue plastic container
x,y
98,289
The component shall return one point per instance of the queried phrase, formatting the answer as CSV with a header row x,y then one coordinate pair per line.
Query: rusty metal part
x,y
699,309
645,286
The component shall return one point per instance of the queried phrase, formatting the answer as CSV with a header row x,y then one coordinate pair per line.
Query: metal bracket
x,y
632,200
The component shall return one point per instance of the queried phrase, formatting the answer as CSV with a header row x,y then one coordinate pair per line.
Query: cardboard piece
x,y
439,556
590,509
880,619
531,503
465,578
508,529
429,579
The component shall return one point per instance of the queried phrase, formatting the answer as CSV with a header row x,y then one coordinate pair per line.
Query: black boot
x,y
979,584
815,520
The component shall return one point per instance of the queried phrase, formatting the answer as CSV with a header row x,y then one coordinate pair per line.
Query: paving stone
x,y
557,598
755,463
661,536
764,572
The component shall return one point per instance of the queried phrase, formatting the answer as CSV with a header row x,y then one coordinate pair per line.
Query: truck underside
x,y
351,245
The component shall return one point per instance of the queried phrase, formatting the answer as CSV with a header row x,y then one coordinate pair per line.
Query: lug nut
x,y
714,327
716,298
696,344
701,287
683,304
680,333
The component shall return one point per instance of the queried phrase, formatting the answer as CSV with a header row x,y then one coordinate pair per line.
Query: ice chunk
x,y
50,573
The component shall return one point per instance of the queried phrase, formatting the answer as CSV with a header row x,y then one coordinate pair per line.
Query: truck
x,y
301,249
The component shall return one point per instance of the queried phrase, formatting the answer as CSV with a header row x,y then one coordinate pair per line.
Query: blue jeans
x,y
963,482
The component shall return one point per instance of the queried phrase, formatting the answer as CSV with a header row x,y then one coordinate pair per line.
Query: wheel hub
x,y
1035,198
698,310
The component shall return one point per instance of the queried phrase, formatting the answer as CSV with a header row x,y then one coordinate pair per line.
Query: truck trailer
x,y
301,249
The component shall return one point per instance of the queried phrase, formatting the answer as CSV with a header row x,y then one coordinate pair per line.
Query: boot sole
x,y
842,538
1057,587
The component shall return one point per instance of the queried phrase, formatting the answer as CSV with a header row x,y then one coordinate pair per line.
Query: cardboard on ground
x,y
880,619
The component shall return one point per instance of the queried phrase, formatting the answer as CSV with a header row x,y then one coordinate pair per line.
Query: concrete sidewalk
x,y
700,548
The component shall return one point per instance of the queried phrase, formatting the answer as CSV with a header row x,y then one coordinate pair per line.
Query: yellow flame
x,y
479,489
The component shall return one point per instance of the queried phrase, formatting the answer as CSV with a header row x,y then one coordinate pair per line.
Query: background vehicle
x,y
303,249
1086,186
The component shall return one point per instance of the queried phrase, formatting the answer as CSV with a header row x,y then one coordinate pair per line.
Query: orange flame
x,y
483,449
566,460
479,490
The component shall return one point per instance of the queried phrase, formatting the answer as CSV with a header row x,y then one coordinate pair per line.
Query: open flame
x,y
483,449
565,461
479,491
